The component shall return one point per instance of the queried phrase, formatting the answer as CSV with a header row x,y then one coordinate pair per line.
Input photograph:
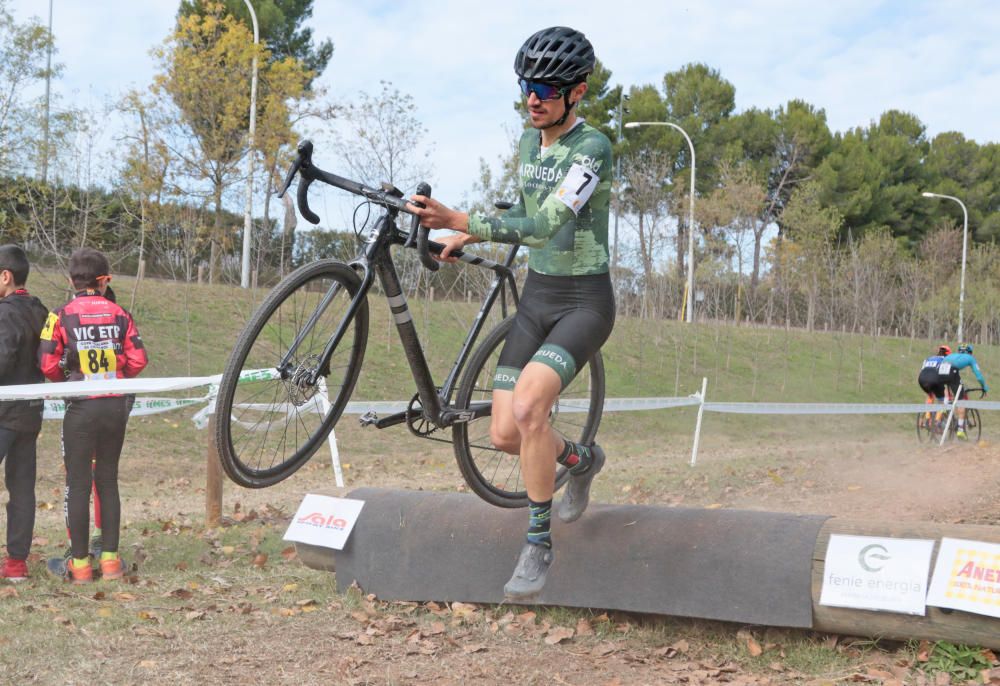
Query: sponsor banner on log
x,y
324,521
967,577
875,573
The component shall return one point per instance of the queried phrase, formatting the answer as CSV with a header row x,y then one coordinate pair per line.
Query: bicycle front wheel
x,y
973,425
271,415
492,474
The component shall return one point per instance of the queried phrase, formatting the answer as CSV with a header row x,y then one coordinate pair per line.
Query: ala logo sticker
x,y
324,521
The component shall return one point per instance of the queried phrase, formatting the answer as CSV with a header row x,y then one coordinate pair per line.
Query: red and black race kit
x,y
92,338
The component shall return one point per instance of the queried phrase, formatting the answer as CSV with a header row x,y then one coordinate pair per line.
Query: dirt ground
x,y
848,471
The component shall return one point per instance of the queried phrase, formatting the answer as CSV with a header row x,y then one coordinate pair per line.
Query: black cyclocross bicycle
x,y
295,364
930,428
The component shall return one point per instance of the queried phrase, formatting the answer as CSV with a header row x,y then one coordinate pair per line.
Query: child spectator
x,y
92,338
22,317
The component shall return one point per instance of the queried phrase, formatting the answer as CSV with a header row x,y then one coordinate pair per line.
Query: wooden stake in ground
x,y
213,478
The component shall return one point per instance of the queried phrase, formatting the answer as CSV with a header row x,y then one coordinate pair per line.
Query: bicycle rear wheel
x,y
492,474
270,418
925,427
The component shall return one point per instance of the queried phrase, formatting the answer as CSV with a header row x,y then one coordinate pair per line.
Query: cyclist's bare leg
x,y
503,428
535,392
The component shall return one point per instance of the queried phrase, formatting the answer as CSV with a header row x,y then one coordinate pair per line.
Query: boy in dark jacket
x,y
22,317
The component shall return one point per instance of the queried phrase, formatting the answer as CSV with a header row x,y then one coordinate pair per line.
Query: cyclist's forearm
x,y
534,231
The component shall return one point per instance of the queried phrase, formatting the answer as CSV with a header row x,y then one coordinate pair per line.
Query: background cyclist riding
x,y
932,383
567,310
949,371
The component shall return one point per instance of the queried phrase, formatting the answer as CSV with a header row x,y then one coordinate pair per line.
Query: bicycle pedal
x,y
368,418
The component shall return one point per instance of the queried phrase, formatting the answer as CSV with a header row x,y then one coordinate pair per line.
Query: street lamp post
x,y
248,210
689,307
965,248
622,111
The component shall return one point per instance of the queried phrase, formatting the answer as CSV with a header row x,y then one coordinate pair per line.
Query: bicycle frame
x,y
374,260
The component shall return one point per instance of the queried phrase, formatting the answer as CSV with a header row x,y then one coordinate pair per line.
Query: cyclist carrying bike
x,y
949,369
931,382
567,310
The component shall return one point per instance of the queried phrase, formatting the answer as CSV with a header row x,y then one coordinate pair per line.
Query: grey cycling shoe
x,y
576,497
529,575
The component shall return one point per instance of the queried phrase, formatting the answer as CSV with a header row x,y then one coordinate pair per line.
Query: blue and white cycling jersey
x,y
932,362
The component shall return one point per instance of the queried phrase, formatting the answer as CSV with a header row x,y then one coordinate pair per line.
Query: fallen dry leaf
x,y
558,635
8,592
289,553
260,559
463,609
753,647
583,627
473,648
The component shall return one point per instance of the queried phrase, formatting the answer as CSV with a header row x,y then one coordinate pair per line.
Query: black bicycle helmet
x,y
558,55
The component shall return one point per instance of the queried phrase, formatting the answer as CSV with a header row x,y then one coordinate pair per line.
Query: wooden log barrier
x,y
738,566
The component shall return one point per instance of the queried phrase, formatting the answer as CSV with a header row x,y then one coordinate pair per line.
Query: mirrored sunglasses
x,y
543,91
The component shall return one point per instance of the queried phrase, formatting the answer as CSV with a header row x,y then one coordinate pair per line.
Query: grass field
x,y
231,604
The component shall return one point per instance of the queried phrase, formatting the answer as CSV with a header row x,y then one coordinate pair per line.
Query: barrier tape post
x,y
954,406
324,401
213,468
697,424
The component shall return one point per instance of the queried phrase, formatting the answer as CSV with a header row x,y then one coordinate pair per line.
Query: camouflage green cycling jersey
x,y
562,214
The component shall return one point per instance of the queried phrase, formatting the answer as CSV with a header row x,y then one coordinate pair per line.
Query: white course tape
x,y
54,409
842,408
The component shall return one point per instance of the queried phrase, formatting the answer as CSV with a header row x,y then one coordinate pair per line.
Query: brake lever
x,y
290,176
425,190
423,251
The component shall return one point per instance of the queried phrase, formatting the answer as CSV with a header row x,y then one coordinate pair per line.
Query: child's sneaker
x,y
82,574
112,569
14,570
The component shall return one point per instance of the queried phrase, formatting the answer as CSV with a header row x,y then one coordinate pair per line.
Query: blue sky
x,y
853,58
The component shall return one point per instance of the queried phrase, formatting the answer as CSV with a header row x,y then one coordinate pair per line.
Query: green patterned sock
x,y
539,523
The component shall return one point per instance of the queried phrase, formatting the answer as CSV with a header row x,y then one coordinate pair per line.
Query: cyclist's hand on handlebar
x,y
452,242
437,216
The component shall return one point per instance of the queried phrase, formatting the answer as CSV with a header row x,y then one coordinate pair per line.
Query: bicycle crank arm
x,y
454,415
371,419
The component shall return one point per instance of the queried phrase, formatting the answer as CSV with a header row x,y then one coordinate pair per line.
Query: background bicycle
x,y
930,427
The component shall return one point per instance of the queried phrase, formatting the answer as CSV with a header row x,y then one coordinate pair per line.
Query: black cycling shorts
x,y
561,321
932,382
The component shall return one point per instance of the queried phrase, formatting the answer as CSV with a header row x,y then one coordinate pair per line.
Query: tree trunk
x,y
216,232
